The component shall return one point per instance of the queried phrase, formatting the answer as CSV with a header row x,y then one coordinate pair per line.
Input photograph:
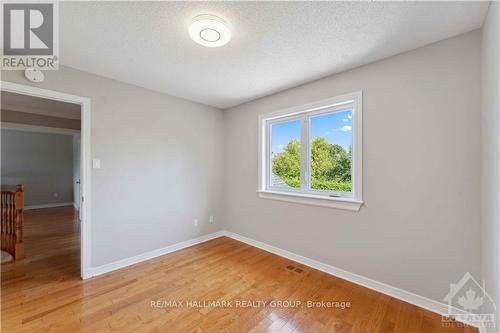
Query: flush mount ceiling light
x,y
209,30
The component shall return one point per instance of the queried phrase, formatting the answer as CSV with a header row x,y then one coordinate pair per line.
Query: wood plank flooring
x,y
172,293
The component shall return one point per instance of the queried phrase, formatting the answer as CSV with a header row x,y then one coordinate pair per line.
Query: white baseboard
x,y
51,205
94,271
409,297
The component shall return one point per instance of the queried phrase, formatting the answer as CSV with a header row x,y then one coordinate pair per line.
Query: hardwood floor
x,y
44,292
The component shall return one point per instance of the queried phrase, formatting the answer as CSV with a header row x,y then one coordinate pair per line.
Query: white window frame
x,y
349,201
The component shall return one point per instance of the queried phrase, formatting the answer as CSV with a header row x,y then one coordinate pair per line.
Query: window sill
x,y
314,200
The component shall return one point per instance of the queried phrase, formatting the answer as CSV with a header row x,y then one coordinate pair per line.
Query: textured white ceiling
x,y
274,46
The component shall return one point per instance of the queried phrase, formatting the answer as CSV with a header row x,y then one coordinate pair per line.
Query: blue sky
x,y
334,127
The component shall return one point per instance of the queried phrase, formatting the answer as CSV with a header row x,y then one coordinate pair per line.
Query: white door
x,y
76,174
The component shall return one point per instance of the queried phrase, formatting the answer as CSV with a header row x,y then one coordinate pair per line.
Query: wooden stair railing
x,y
12,219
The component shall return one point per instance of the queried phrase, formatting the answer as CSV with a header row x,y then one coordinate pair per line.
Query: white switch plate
x,y
96,163
211,219
196,223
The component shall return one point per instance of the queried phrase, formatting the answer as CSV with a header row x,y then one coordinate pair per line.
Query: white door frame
x,y
85,161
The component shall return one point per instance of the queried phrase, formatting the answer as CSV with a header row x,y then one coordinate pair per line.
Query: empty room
x,y
250,166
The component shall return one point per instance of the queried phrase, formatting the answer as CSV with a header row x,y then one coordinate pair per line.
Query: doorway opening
x,y
45,139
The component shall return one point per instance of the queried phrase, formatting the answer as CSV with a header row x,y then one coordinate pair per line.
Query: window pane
x,y
331,151
285,154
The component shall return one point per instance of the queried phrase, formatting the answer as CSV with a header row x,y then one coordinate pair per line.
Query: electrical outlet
x,y
196,222
211,219
55,194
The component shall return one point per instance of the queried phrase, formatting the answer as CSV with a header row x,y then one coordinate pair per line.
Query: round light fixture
x,y
209,30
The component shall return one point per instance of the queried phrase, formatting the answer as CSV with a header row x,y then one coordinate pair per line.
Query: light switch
x,y
96,163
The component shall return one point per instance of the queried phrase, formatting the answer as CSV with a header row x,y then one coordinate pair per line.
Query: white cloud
x,y
346,128
349,118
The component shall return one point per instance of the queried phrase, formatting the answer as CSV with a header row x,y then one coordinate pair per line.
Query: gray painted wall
x,y
161,164
42,162
419,229
491,154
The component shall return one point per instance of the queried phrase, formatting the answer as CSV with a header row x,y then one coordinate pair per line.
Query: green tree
x,y
321,161
330,165
341,169
286,165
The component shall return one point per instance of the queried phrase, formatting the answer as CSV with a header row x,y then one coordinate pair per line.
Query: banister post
x,y
19,251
